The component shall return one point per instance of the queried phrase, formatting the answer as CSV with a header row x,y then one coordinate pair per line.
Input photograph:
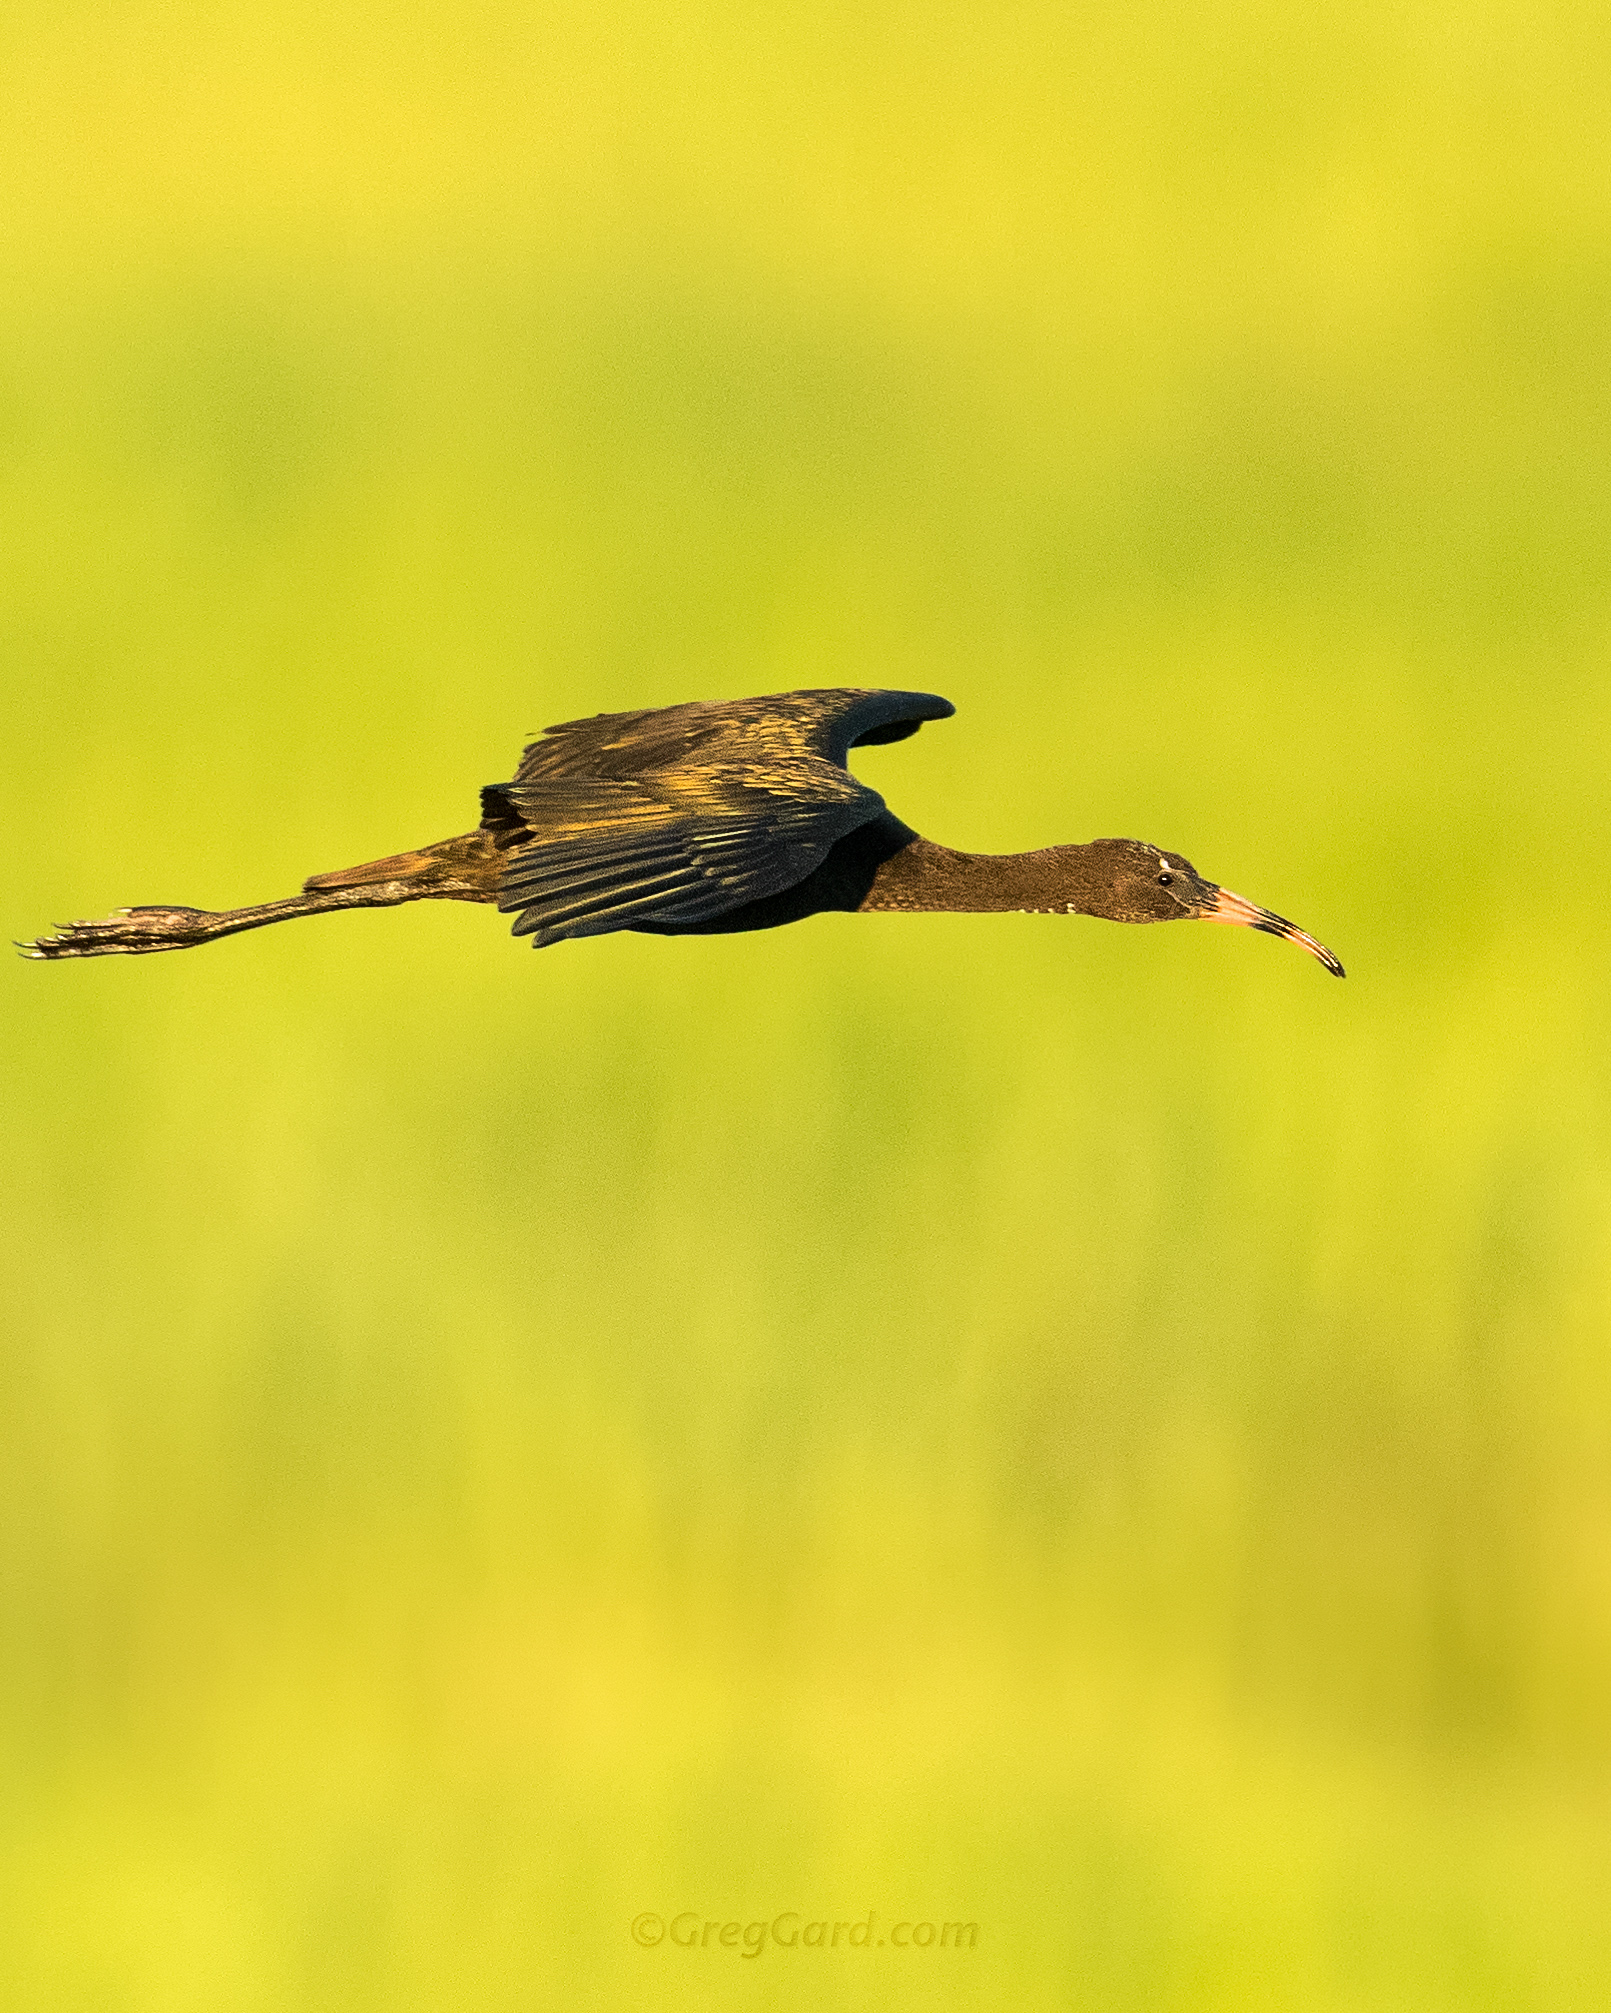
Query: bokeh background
x,y
1100,1433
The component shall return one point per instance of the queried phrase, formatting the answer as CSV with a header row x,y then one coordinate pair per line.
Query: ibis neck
x,y
1056,880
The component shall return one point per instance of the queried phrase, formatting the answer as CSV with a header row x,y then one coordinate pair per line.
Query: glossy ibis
x,y
735,814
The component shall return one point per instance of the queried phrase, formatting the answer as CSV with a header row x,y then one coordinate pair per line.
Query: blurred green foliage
x,y
1101,1433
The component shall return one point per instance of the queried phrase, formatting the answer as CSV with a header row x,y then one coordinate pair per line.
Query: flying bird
x,y
734,814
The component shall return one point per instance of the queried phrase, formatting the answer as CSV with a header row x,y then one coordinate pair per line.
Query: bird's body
x,y
712,817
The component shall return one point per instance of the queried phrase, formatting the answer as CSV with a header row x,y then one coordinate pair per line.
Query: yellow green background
x,y
1101,1433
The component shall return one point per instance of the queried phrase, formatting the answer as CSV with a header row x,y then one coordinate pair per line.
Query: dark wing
x,y
682,814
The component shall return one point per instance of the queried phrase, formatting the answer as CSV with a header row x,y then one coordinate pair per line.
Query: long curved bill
x,y
1229,908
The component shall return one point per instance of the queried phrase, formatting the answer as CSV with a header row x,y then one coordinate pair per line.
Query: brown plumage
x,y
734,814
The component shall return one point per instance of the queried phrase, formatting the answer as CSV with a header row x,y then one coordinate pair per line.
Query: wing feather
x,y
687,812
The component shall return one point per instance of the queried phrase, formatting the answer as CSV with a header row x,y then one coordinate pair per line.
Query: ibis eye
x,y
1164,880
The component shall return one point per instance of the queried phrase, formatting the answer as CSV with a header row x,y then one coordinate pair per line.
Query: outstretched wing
x,y
682,814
